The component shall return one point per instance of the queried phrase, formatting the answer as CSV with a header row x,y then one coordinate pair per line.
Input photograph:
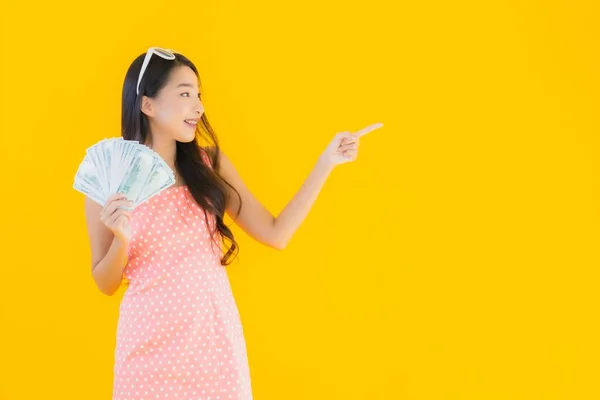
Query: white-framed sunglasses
x,y
167,54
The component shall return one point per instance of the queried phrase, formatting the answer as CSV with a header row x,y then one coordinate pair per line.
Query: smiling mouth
x,y
190,122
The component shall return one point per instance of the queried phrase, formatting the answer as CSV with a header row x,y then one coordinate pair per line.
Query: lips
x,y
191,121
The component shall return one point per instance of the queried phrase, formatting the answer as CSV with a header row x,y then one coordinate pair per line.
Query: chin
x,y
187,138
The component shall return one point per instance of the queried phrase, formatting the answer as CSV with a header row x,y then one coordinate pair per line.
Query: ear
x,y
147,107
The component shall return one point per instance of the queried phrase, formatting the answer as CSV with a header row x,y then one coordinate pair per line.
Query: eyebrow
x,y
186,84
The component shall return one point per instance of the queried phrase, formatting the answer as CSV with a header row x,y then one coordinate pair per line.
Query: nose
x,y
199,108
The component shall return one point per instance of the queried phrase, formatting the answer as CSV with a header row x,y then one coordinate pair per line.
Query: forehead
x,y
183,77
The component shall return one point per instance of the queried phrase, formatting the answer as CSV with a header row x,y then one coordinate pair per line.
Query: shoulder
x,y
215,157
210,151
208,155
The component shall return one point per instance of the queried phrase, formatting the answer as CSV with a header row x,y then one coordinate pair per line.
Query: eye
x,y
199,94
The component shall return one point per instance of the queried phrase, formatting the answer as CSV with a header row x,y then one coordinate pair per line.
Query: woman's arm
x,y
256,220
109,237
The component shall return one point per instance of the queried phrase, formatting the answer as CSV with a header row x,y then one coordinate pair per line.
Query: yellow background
x,y
457,258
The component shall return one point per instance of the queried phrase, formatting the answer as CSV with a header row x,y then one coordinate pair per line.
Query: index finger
x,y
368,129
115,196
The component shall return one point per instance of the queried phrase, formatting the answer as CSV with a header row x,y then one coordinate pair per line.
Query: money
x,y
122,166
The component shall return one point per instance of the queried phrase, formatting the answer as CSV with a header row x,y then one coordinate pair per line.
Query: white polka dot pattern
x,y
179,334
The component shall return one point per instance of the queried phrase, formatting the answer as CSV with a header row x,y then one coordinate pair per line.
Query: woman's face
x,y
176,110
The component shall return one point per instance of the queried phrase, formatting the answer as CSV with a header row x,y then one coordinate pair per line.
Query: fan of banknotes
x,y
122,166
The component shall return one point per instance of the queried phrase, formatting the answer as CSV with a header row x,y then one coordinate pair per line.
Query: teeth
x,y
190,122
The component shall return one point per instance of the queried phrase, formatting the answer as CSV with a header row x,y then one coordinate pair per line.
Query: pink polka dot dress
x,y
179,333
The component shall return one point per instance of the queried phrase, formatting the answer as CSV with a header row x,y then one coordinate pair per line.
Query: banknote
x,y
115,165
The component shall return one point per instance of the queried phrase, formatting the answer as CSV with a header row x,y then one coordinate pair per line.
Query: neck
x,y
167,149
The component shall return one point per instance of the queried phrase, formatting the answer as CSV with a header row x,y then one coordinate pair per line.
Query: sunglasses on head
x,y
167,54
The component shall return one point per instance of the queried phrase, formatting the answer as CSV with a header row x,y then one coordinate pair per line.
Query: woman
x,y
179,334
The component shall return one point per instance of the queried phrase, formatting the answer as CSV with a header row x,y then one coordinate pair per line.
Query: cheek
x,y
164,115
169,113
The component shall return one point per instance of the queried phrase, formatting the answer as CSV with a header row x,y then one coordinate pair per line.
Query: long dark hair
x,y
205,184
